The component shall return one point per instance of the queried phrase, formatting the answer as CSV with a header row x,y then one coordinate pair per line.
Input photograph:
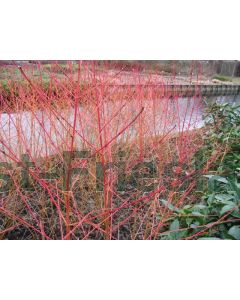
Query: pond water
x,y
45,132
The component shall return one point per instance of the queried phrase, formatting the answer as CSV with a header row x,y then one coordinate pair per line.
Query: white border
x,y
119,270
93,29
119,30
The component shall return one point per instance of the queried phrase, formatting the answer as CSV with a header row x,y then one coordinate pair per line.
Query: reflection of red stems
x,y
119,133
165,135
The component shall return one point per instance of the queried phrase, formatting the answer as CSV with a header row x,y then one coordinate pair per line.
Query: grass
x,y
234,80
223,78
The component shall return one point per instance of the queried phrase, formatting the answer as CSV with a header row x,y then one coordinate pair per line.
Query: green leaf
x,y
210,199
189,221
224,197
197,214
235,232
186,210
169,205
174,225
200,206
227,208
217,178
236,214
235,187
221,179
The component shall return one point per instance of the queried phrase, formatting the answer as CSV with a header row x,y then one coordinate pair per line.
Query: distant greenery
x,y
222,78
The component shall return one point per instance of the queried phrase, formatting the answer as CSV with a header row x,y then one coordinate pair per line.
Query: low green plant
x,y
222,134
216,215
